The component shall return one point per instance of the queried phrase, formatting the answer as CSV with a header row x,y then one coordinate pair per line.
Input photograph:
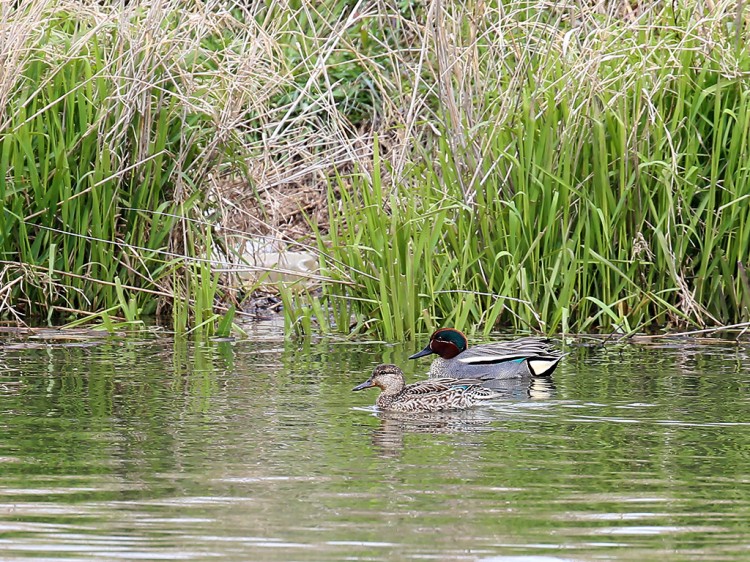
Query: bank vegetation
x,y
539,166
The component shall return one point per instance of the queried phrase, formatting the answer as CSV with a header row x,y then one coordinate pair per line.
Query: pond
x,y
155,449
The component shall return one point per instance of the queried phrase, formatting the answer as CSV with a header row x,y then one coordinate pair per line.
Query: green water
x,y
258,450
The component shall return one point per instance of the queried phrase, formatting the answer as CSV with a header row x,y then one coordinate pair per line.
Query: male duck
x,y
501,360
433,395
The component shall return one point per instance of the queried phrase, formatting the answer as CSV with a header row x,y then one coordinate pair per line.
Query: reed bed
x,y
118,123
542,166
98,166
573,169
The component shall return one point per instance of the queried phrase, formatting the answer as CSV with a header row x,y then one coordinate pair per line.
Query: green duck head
x,y
445,342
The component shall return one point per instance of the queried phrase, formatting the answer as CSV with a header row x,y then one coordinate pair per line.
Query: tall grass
x,y
100,149
123,123
568,166
590,172
115,121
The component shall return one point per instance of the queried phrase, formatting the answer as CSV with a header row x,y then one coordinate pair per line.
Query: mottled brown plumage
x,y
432,395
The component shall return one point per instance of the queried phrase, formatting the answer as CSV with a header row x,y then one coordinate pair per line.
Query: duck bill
x,y
366,384
425,351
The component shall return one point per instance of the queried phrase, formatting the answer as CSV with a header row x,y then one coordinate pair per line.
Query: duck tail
x,y
543,367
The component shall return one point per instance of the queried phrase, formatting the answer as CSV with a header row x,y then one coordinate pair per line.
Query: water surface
x,y
151,449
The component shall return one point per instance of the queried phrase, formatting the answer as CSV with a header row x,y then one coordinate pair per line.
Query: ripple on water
x,y
258,450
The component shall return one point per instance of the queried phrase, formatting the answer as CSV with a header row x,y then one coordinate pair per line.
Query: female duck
x,y
434,395
501,360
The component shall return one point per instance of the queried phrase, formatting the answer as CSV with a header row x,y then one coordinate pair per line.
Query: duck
x,y
523,357
432,395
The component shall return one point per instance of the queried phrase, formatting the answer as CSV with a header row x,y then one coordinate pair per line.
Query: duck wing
x,y
518,350
473,387
436,386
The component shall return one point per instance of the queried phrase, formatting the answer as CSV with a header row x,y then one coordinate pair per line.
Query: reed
x,y
566,167
589,173
120,123
113,118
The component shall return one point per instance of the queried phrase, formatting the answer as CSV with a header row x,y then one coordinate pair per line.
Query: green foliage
x,y
545,168
617,202
100,146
